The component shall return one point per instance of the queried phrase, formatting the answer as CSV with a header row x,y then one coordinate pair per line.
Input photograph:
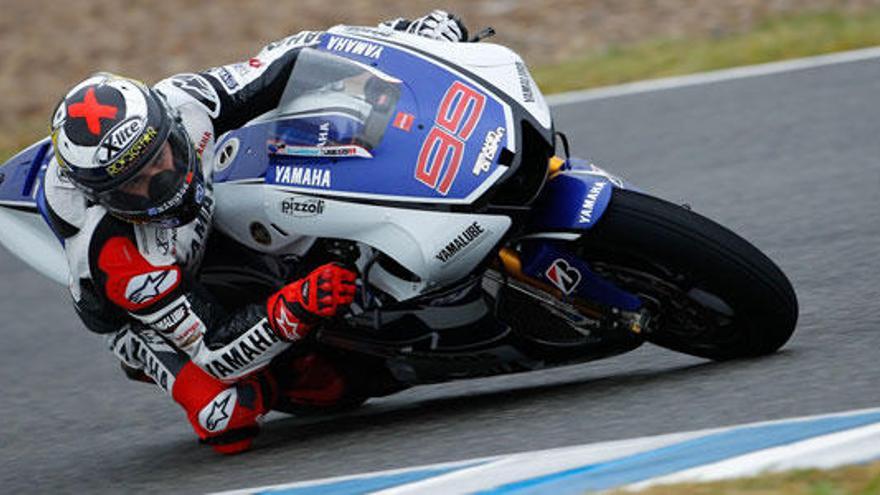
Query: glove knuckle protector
x,y
298,306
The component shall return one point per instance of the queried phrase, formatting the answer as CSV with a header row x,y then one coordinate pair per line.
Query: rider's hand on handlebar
x,y
322,294
439,25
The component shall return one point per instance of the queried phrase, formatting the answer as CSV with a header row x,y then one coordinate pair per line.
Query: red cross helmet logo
x,y
93,111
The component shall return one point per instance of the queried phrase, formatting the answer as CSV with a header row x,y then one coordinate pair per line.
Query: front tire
x,y
712,293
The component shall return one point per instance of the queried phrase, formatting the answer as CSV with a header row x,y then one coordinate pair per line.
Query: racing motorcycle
x,y
433,167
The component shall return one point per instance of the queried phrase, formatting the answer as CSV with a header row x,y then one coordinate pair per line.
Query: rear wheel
x,y
711,293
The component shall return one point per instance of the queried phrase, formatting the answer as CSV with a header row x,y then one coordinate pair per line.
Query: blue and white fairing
x,y
398,168
576,197
23,231
373,129
390,155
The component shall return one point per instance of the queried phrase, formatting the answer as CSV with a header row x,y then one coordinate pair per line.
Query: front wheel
x,y
711,293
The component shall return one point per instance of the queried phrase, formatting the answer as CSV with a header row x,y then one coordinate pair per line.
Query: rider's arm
x,y
161,295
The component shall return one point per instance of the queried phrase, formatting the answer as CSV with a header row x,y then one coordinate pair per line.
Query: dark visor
x,y
159,186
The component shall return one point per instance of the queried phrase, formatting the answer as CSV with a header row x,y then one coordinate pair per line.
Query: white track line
x,y
651,85
824,452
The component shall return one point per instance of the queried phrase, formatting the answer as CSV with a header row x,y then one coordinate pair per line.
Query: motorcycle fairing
x,y
449,109
448,151
575,197
25,231
428,69
438,247
19,184
572,201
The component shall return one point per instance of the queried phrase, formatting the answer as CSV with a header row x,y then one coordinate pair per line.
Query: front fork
x,y
573,201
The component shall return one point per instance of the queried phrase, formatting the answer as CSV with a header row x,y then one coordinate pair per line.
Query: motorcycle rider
x,y
129,194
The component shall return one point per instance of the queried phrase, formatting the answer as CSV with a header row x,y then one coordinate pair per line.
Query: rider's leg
x,y
223,415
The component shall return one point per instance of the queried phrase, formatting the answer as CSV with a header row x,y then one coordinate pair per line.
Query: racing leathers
x,y
140,285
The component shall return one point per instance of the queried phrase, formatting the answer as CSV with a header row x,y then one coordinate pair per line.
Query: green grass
x,y
776,39
860,480
25,133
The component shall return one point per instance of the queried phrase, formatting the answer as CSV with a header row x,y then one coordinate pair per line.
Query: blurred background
x,y
787,161
45,46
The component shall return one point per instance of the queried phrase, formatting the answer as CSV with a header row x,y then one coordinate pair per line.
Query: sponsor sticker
x,y
216,415
188,332
461,242
323,134
135,150
487,153
203,143
148,348
226,77
119,139
525,82
303,176
564,276
586,213
302,206
354,47
277,147
404,121
172,318
246,349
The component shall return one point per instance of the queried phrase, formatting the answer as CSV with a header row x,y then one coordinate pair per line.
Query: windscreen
x,y
333,107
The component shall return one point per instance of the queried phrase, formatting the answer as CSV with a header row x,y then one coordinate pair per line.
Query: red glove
x,y
298,306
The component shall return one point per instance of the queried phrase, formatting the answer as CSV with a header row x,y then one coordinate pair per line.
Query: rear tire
x,y
712,293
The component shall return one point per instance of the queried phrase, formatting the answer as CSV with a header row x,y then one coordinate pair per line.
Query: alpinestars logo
x,y
201,90
216,415
563,276
144,288
285,322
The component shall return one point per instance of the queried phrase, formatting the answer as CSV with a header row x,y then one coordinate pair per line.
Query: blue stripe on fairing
x,y
368,484
34,171
678,457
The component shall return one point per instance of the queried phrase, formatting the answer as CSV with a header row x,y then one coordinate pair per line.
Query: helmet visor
x,y
159,186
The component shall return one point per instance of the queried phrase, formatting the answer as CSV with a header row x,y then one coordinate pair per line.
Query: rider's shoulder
x,y
188,90
149,244
67,206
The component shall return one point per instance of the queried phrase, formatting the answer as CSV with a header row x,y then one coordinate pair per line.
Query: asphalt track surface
x,y
790,161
